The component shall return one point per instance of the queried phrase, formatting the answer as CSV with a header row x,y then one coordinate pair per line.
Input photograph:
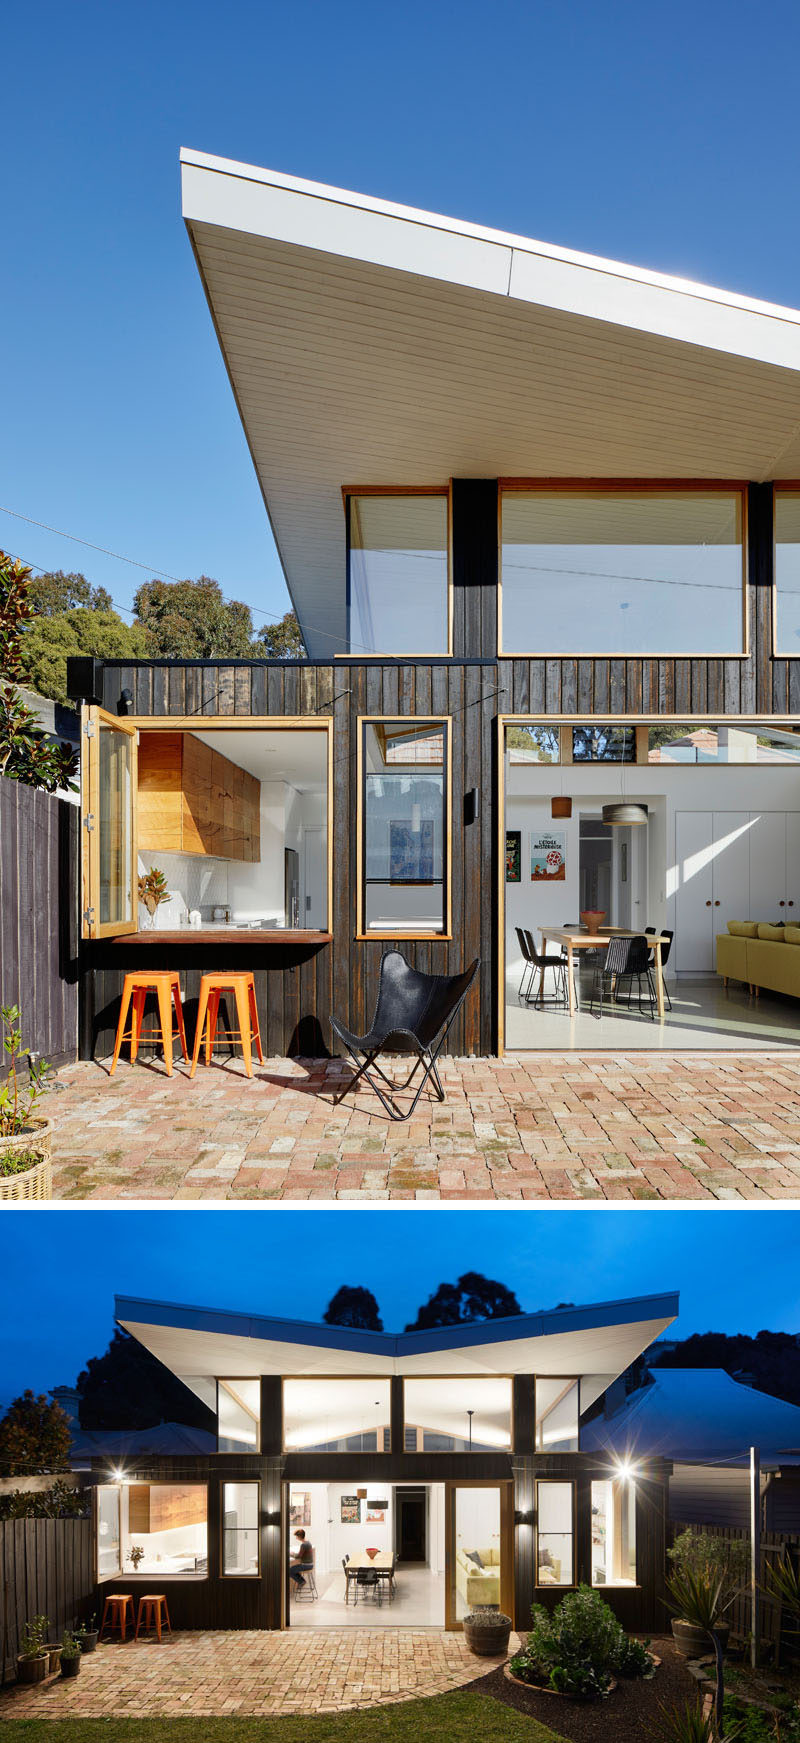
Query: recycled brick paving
x,y
265,1674
538,1126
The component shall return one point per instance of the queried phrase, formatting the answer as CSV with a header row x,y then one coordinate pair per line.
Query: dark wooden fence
x,y
46,1568
39,917
777,1630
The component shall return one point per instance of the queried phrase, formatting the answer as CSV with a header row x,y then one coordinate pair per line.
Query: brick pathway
x,y
310,1670
541,1126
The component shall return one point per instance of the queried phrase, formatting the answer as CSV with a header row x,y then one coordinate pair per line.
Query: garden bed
x,y
631,1714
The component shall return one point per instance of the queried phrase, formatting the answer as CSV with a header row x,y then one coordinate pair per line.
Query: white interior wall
x,y
478,1519
256,891
529,788
436,1516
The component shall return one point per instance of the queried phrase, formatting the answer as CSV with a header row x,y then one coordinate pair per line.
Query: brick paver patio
x,y
309,1670
540,1126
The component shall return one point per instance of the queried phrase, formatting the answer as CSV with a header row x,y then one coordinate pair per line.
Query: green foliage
x,y
751,1724
54,592
473,1297
70,1647
34,1437
18,1102
579,1648
192,620
683,1725
712,1558
354,1306
33,1636
60,1501
281,641
26,752
53,637
783,1582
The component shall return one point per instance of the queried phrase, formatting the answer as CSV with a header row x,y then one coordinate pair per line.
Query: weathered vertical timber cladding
x,y
39,917
299,985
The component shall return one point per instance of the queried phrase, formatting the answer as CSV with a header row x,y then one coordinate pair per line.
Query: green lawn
x,y
456,1718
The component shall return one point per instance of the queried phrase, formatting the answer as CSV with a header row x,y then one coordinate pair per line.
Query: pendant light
x,y
624,812
560,805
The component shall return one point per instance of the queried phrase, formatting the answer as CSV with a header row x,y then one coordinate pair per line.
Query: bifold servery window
x,y
152,1530
645,569
404,827
398,572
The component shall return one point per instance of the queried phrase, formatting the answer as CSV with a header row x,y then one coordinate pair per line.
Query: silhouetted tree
x,y
34,1437
354,1306
473,1297
129,1388
770,1361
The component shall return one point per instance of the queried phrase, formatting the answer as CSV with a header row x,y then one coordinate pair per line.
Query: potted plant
x,y
700,1600
25,1136
136,1554
70,1654
153,891
712,1559
87,1633
33,1658
486,1632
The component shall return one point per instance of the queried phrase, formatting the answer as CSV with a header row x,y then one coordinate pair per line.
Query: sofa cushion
x,y
792,934
475,1556
732,956
742,928
770,934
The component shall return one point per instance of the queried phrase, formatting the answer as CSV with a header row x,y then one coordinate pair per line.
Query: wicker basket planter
x,y
36,1181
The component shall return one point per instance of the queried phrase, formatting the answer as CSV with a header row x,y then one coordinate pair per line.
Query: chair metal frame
x,y
541,963
615,967
439,999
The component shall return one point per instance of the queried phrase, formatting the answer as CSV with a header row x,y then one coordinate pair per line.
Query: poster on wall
x,y
375,1515
299,1507
351,1510
513,856
549,857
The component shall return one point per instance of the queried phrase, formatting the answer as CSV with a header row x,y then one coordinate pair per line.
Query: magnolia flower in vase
x,y
153,891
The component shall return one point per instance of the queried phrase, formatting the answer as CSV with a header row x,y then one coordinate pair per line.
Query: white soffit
x,y
368,343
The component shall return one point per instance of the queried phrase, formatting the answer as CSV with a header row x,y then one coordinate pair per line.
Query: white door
x,y
694,859
768,865
638,876
731,868
793,867
314,880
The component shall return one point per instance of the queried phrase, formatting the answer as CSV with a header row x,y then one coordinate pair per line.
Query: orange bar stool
x,y
115,1612
212,986
134,993
152,1612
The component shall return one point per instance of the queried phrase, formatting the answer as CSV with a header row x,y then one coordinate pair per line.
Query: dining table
x,y
381,1563
575,938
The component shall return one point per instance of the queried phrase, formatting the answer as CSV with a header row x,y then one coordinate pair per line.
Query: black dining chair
x,y
414,1013
541,962
350,1578
527,964
665,950
625,957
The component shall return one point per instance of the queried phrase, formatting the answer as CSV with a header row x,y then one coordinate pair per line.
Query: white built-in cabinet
x,y
731,865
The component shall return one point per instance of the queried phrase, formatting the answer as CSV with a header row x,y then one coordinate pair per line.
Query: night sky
x,y
60,1268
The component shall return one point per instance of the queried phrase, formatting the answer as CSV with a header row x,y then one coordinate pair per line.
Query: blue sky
x,y
665,136
60,1268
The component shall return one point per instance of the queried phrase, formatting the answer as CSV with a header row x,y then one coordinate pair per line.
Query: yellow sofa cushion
x,y
743,928
792,934
775,967
770,934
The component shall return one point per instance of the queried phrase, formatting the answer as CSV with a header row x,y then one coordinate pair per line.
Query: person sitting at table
x,y
305,1554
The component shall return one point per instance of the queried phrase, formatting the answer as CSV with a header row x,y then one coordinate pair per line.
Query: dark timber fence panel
x,y
39,917
45,1569
777,1629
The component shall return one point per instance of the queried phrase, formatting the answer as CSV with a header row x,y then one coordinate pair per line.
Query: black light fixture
x,y
125,701
470,1414
624,812
472,805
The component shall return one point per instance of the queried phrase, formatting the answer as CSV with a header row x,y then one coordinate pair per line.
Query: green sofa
x,y
760,955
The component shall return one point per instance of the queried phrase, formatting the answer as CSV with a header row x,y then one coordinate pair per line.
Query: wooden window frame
x,y
447,1453
786,487
101,1579
505,1485
254,1482
413,723
446,490
299,1451
568,1381
623,487
151,1483
133,724
613,1477
91,927
543,1483
570,720
233,1380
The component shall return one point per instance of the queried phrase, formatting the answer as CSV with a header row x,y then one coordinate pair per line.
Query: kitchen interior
x,y
237,822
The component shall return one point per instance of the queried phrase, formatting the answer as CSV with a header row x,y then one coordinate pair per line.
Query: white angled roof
x,y
370,343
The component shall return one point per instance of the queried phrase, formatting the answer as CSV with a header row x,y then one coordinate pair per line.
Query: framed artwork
x,y
549,857
299,1507
411,852
513,856
375,1516
350,1510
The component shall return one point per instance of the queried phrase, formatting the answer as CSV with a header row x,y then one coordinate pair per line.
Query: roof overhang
x,y
370,343
596,1343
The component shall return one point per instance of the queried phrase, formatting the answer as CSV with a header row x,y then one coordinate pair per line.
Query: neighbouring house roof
x,y
596,1342
699,1415
163,1439
371,343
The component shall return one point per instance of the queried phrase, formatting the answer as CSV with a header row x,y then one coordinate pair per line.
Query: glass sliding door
x,y
479,1549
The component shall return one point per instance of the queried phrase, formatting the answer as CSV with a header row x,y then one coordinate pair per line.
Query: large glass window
x,y
557,1414
477,1573
645,571
603,744
787,572
240,1507
458,1415
405,827
554,1534
108,1532
398,577
705,742
614,1532
238,1415
152,1529
336,1415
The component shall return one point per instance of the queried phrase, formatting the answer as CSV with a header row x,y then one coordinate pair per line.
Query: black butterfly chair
x,y
413,1014
665,950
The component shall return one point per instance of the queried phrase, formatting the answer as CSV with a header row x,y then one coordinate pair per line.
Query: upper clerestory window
x,y
650,570
398,583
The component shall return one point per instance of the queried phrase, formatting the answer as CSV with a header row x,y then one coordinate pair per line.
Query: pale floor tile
x,y
705,1015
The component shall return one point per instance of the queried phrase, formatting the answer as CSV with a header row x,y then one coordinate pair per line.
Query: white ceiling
x,y
301,758
369,344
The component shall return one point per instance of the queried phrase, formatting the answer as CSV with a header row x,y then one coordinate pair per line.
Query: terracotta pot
x,y
35,1182
694,1642
33,1669
488,1635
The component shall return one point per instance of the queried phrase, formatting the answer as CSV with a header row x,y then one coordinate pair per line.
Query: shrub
x,y
712,1559
578,1648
